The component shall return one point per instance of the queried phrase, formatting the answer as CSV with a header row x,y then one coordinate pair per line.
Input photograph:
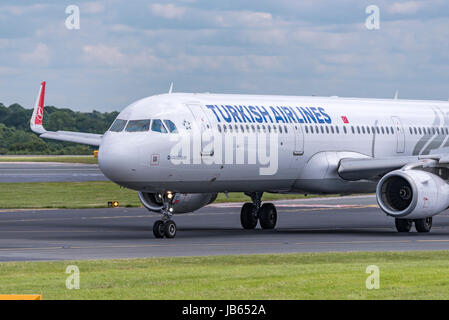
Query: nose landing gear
x,y
266,214
165,227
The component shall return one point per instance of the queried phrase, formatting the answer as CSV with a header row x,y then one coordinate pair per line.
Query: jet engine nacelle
x,y
183,202
412,194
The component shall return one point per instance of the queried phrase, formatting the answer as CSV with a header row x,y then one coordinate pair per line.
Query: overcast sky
x,y
126,50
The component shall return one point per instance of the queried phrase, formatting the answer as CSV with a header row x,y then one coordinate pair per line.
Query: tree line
x,y
17,138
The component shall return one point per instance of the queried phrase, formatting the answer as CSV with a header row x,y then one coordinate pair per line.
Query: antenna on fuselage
x,y
396,95
171,88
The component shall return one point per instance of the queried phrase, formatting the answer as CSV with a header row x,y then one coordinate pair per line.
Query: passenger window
x,y
307,129
170,126
219,128
118,125
345,130
138,125
157,126
327,129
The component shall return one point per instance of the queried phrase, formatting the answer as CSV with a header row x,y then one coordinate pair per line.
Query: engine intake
x,y
412,194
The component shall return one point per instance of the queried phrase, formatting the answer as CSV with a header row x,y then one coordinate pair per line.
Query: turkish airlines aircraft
x,y
178,150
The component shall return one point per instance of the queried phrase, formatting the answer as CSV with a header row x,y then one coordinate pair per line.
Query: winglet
x,y
396,95
38,112
171,88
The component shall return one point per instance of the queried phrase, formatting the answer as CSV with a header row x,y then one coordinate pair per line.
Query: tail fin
x,y
38,112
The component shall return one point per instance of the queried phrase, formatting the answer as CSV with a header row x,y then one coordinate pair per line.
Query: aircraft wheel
x,y
423,225
268,216
158,229
170,229
403,225
248,217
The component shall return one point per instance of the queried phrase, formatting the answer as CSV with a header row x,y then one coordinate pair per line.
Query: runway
x,y
311,225
49,172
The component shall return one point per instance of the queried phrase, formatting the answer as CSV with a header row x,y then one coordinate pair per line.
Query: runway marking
x,y
77,218
356,242
231,244
296,205
153,216
329,209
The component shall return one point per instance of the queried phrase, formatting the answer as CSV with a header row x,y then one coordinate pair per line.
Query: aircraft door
x,y
400,135
299,141
205,133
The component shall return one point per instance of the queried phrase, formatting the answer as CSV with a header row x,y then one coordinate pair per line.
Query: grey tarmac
x,y
49,172
310,225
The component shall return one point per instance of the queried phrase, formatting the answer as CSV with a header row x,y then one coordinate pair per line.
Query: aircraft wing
x,y
69,136
374,168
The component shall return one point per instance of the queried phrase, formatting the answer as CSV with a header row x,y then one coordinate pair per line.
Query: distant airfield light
x,y
113,204
169,195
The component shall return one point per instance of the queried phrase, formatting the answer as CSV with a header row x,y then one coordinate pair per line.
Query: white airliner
x,y
178,150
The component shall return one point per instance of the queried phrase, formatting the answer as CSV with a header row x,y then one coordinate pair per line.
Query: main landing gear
x,y
421,225
165,227
266,214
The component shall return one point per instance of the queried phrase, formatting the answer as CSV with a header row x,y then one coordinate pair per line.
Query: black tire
x,y
158,229
403,225
268,216
170,229
423,225
248,218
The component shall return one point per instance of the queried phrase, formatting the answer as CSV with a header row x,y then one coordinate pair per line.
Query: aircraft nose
x,y
116,161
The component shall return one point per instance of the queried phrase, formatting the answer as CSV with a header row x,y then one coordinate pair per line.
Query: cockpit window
x,y
138,125
170,126
158,126
118,125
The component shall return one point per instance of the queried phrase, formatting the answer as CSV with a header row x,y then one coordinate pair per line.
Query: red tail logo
x,y
40,106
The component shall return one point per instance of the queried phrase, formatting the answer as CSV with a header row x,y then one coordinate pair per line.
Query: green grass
x,y
403,275
87,195
65,159
65,195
